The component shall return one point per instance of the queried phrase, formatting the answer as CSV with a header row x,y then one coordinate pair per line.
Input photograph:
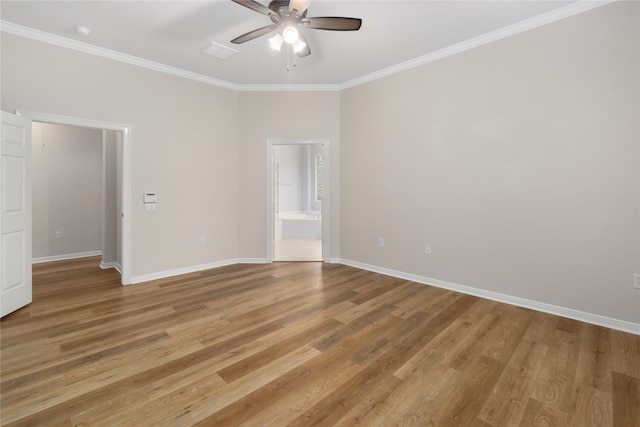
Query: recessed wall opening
x,y
297,200
76,193
115,188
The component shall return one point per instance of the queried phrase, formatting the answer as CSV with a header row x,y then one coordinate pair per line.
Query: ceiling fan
x,y
287,17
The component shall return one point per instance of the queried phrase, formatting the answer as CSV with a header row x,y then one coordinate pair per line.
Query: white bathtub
x,y
299,225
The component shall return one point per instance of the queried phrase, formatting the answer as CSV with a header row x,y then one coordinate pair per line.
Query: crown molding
x,y
42,36
289,88
528,24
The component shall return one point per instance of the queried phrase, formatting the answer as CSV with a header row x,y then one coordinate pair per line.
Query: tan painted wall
x,y
517,161
265,115
183,144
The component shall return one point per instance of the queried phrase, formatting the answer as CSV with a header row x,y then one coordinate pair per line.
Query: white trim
x,y
492,36
251,261
183,270
65,256
113,264
53,39
326,223
126,172
607,322
510,30
289,88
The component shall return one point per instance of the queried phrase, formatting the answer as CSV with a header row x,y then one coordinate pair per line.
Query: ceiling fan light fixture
x,y
298,46
290,34
286,17
276,42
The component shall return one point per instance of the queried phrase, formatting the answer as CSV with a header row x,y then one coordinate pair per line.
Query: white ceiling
x,y
171,34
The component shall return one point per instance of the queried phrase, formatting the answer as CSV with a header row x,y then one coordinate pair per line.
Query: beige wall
x,y
183,144
265,115
518,162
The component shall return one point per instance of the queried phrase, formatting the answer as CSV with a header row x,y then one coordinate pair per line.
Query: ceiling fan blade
x,y
254,34
299,5
333,23
306,50
254,5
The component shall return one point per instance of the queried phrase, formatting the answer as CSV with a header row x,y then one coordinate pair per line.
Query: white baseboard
x,y
65,256
113,264
251,261
177,271
607,322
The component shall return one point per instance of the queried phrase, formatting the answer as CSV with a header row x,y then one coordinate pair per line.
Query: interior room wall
x,y
183,137
66,191
266,115
112,187
119,187
517,161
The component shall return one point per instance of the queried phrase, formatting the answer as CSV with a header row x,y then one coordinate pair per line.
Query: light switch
x,y
150,207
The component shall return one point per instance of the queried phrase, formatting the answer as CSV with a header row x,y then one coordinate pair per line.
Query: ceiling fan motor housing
x,y
281,8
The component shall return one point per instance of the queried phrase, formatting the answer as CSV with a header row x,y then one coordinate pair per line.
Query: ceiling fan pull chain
x,y
290,55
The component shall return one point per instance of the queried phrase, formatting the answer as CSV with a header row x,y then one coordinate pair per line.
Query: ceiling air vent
x,y
218,51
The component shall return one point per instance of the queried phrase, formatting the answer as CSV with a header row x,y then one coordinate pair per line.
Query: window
x,y
318,178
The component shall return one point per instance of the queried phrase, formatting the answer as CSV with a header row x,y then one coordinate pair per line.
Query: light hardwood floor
x,y
301,344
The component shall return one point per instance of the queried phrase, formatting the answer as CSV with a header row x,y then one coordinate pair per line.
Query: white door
x,y
15,213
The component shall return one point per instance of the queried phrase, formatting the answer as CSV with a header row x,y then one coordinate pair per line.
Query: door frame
x,y
324,142
126,173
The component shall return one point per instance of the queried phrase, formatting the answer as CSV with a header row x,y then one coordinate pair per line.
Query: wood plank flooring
x,y
301,344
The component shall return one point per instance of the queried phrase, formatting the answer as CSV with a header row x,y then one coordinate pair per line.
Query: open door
x,y
15,213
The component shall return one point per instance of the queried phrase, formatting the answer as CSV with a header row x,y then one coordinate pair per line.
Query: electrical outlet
x,y
636,281
203,240
427,249
381,242
58,234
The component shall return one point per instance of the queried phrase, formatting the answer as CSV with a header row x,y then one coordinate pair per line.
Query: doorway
x,y
297,195
122,227
76,187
